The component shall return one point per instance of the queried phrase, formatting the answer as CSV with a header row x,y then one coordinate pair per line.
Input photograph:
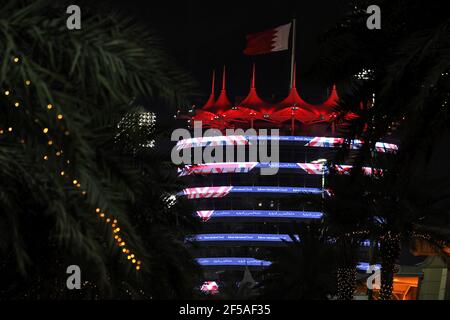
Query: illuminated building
x,y
243,211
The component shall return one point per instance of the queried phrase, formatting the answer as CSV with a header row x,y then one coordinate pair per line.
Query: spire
x,y
253,77
210,103
224,79
213,81
294,76
253,101
293,98
223,102
333,98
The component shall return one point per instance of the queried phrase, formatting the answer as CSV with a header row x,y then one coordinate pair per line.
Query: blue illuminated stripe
x,y
229,261
265,214
364,266
240,237
247,237
270,189
233,261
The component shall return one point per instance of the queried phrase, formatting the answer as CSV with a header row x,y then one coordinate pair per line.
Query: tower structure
x,y
244,212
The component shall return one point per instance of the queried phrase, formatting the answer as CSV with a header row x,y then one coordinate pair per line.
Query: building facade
x,y
245,211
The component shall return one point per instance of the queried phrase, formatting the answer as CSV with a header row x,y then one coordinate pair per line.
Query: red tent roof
x,y
211,101
252,100
223,103
221,112
293,99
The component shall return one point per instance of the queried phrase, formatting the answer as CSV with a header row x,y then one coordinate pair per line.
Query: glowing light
x,y
60,116
49,106
45,130
7,92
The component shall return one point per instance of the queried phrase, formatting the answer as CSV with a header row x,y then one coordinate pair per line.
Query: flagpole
x,y
293,52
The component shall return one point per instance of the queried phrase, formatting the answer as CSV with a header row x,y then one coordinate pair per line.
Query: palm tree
x,y
345,221
68,194
407,71
301,269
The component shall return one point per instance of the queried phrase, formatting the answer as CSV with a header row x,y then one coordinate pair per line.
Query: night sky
x,y
205,35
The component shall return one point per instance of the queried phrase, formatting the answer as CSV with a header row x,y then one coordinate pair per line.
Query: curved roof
x,y
221,112
253,101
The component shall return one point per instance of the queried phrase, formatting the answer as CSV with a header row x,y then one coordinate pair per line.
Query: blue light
x,y
232,261
364,266
248,237
262,214
256,237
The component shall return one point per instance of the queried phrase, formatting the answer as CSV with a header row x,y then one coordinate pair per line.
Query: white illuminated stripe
x,y
222,191
244,167
323,142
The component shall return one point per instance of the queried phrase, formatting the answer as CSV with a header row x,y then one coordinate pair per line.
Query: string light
x,y
16,59
116,230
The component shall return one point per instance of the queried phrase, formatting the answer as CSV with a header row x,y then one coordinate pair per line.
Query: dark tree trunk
x,y
389,251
